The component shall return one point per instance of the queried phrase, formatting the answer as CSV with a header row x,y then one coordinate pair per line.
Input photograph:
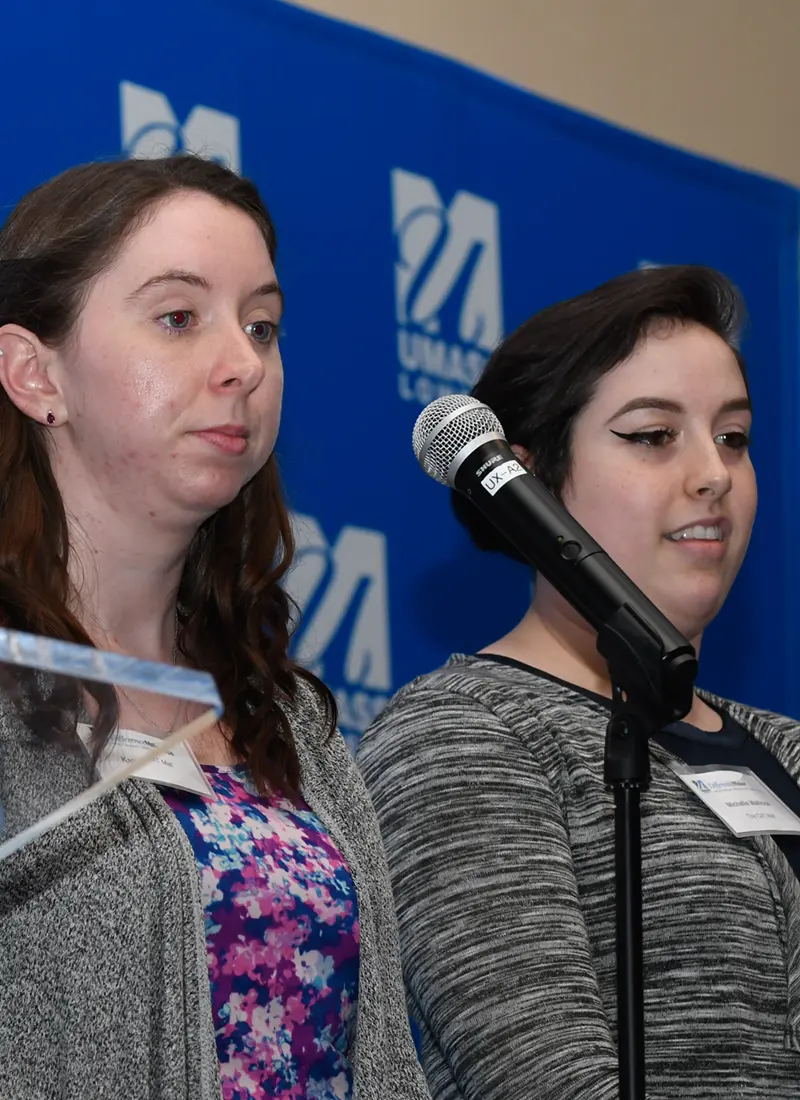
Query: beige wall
x,y
721,77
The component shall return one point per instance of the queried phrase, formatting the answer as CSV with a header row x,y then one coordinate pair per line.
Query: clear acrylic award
x,y
58,702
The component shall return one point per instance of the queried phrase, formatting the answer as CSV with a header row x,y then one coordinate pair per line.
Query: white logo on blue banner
x,y
342,591
150,128
447,287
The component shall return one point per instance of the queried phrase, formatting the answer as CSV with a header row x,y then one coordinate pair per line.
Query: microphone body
x,y
652,658
548,537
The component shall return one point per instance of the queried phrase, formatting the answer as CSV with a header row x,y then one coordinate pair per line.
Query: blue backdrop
x,y
422,210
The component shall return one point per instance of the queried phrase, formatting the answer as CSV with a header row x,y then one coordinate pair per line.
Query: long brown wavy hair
x,y
234,618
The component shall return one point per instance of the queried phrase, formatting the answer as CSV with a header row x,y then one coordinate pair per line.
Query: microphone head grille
x,y
447,425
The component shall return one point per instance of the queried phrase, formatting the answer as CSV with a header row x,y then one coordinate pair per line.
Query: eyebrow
x,y
191,279
739,404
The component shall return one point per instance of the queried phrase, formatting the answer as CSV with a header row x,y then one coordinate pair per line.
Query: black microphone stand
x,y
652,686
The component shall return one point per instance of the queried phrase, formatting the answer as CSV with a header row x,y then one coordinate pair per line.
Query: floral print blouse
x,y
281,921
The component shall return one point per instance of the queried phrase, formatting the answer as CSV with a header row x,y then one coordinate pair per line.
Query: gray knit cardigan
x,y
488,782
104,991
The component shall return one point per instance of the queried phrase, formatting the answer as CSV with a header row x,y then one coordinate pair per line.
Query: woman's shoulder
x,y
480,685
319,744
758,720
309,710
40,769
476,708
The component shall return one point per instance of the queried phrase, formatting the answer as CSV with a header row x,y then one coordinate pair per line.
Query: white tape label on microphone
x,y
495,481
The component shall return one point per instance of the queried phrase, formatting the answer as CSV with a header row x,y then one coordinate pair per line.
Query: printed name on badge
x,y
740,799
175,768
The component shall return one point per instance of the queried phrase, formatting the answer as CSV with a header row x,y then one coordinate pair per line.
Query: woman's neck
x,y
553,638
126,588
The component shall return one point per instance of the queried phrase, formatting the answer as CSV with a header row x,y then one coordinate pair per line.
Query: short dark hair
x,y
543,375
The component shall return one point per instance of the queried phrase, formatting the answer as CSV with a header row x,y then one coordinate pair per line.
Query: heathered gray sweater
x,y
488,782
104,991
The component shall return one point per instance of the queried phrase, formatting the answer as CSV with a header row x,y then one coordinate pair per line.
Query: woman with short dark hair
x,y
630,403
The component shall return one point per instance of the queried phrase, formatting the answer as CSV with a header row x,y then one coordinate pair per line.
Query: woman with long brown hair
x,y
159,943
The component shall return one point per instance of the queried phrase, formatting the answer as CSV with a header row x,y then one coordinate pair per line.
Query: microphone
x,y
459,442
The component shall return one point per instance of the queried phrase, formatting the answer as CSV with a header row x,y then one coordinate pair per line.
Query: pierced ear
x,y
24,375
524,455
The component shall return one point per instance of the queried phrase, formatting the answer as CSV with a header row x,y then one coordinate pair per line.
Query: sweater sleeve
x,y
496,953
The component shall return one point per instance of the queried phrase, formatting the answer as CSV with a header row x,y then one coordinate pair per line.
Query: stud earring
x,y
50,418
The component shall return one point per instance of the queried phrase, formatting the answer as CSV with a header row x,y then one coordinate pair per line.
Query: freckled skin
x,y
166,400
137,389
680,404
630,495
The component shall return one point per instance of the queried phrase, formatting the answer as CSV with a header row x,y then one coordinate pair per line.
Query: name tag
x,y
177,767
739,798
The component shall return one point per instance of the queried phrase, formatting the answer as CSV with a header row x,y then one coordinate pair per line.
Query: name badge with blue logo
x,y
739,799
177,767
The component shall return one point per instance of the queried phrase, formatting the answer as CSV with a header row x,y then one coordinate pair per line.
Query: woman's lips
x,y
231,441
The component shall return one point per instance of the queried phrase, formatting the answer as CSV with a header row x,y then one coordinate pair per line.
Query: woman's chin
x,y
206,497
692,615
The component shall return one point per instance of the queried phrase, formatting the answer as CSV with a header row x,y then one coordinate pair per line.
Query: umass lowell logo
x,y
341,586
151,129
447,287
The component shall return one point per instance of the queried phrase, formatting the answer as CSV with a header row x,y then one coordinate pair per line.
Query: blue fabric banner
x,y
422,210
